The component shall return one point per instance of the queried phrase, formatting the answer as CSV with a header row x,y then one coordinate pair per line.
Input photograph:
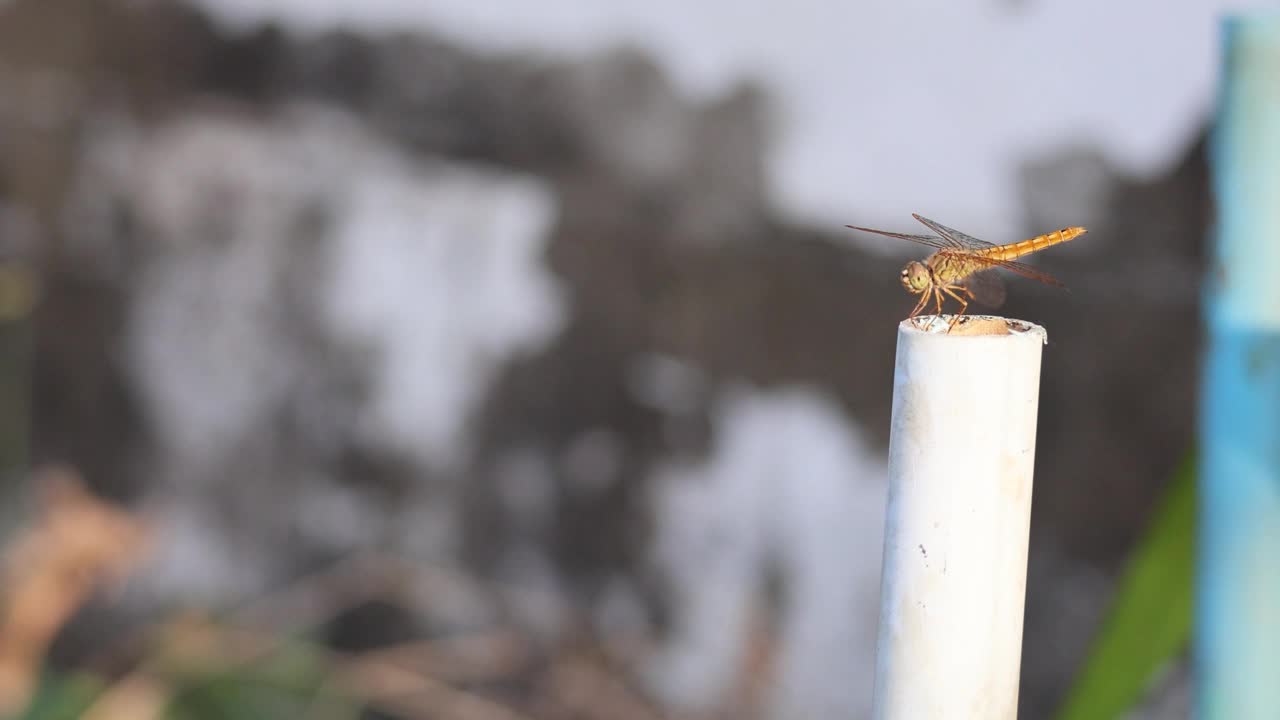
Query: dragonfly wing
x,y
1016,267
932,241
987,288
957,239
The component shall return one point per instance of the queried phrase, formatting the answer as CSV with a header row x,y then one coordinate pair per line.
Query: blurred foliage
x,y
199,669
62,697
73,545
19,292
289,682
274,658
1149,623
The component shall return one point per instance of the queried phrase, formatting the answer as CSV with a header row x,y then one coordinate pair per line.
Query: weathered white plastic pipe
x,y
953,584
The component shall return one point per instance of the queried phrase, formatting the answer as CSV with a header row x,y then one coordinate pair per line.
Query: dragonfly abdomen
x,y
1040,242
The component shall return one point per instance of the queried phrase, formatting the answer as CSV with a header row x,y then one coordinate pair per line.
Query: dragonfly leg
x,y
963,304
930,293
924,297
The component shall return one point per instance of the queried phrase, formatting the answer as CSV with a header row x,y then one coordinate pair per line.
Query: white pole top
x,y
961,455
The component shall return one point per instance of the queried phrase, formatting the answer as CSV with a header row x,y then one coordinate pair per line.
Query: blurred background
x,y
502,360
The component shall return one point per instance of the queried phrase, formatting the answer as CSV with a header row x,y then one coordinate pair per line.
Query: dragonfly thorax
x,y
916,277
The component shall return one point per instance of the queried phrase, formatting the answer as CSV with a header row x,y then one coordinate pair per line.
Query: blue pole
x,y
1238,584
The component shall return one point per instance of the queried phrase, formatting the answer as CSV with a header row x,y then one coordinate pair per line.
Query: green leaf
x,y
1150,619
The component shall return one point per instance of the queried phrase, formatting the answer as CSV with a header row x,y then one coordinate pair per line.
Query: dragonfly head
x,y
915,277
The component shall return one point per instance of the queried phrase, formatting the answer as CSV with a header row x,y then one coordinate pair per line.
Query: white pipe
x,y
961,452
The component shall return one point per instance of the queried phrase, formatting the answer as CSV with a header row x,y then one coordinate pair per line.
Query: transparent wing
x,y
931,240
1016,267
957,239
987,288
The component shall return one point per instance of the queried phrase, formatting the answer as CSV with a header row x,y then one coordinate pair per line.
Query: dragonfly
x,y
962,266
